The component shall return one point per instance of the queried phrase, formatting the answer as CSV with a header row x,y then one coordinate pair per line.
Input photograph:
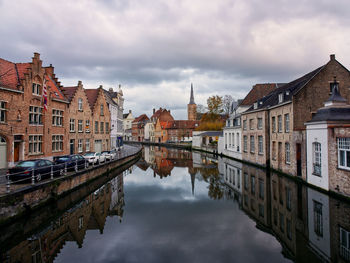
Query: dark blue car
x,y
70,161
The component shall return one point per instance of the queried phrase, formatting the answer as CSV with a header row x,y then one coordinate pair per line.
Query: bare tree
x,y
227,101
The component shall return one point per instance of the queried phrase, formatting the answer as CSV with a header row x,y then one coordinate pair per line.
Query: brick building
x,y
27,130
101,119
138,128
80,119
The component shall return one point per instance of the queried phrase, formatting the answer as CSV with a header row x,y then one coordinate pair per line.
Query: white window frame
x,y
280,98
260,144
273,120
252,143
87,126
318,218
3,112
57,118
344,243
80,125
36,89
260,123
343,149
72,125
87,145
57,143
287,152
279,120
245,143
317,161
35,145
245,125
80,104
80,145
35,115
286,122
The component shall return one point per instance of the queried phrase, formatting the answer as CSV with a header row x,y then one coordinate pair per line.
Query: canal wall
x,y
186,146
20,202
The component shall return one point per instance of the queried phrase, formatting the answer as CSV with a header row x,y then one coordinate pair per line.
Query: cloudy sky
x,y
155,48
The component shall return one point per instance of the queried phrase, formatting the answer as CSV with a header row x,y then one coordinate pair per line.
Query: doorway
x,y
3,153
298,159
71,146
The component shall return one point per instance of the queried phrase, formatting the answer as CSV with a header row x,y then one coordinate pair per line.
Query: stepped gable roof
x,y
259,91
54,89
12,73
91,95
69,92
109,97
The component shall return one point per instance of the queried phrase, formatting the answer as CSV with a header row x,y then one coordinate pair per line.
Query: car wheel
x,y
61,172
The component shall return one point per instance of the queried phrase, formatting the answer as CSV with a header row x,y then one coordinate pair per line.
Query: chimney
x,y
110,90
129,111
332,56
80,83
36,55
49,70
100,87
154,110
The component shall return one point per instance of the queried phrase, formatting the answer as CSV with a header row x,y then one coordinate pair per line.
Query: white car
x,y
95,158
109,155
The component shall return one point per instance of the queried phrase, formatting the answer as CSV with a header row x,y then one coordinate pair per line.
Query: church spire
x,y
192,97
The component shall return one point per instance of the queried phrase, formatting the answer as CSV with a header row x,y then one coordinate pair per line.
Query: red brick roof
x,y
69,92
179,124
166,124
11,73
259,91
91,95
53,88
142,117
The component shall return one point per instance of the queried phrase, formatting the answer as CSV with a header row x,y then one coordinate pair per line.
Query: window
x,y
318,220
80,104
273,150
316,158
101,107
96,126
252,184
80,145
2,111
344,153
261,189
107,144
280,98
251,124
245,143
260,145
287,149
87,145
35,115
80,125
289,198
107,127
273,124
72,125
279,123
281,222
245,125
238,141
260,124
261,210
101,127
57,118
286,122
252,144
35,144
57,143
87,125
246,183
289,229
36,89
344,244
80,222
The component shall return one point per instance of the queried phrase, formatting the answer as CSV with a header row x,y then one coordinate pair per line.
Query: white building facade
x,y
128,118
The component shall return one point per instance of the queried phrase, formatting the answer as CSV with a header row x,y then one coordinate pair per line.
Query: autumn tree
x,y
215,104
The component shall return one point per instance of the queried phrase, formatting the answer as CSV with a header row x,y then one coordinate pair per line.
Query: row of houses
x,y
162,127
41,118
300,128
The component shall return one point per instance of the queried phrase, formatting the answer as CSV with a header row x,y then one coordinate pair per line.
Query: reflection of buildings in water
x,y
116,207
204,160
231,172
72,225
318,217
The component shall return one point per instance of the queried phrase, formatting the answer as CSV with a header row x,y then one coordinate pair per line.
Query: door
x,y
298,159
98,146
72,142
3,153
16,152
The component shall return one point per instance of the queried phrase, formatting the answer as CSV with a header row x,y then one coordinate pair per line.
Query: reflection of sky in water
x,y
163,222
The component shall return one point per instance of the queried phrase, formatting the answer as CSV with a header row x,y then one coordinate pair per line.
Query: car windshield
x,y
26,164
65,158
89,154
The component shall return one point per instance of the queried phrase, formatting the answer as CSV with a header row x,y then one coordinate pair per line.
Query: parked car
x,y
70,161
23,170
109,155
94,157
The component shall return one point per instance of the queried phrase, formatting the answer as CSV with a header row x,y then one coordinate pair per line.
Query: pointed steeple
x,y
193,178
192,97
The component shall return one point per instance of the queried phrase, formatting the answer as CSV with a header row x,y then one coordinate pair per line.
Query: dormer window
x,y
287,93
80,104
255,105
280,98
101,110
333,84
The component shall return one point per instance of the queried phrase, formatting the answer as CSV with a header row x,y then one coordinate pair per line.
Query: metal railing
x,y
35,175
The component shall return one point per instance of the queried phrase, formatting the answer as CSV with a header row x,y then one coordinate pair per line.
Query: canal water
x,y
181,206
